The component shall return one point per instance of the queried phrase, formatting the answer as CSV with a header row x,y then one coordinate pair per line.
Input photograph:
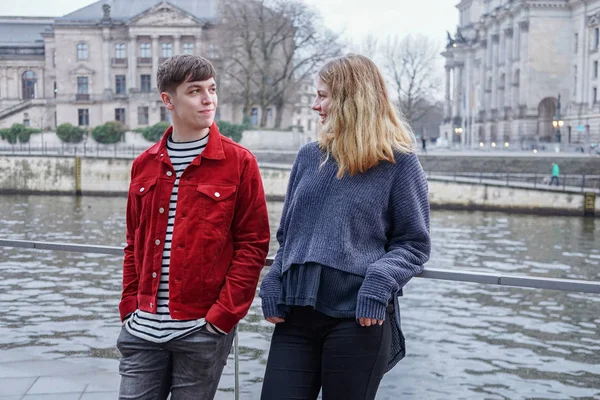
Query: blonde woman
x,y
354,231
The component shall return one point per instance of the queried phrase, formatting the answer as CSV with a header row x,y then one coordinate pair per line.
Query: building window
x,y
594,95
120,50
120,115
120,84
595,69
55,90
254,116
164,114
29,84
82,85
167,49
576,42
146,84
142,115
596,38
212,50
84,116
574,80
145,51
188,48
82,51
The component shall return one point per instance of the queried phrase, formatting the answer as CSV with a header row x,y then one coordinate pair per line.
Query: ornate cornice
x,y
593,20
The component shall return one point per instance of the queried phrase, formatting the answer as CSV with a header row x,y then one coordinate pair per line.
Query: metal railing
x,y
569,285
567,182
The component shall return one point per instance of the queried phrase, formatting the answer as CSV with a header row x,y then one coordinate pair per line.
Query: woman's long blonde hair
x,y
362,126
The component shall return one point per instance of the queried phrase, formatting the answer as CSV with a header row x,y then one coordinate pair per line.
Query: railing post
x,y
480,177
507,178
236,363
565,183
535,180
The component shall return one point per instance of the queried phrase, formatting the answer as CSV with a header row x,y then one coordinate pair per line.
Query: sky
x,y
354,19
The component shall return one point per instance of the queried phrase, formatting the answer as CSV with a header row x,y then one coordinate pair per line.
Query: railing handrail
x,y
569,285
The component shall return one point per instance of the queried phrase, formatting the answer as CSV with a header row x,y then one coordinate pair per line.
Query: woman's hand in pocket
x,y
370,321
275,320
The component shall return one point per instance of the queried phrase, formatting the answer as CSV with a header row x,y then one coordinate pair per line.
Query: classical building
x,y
100,62
512,62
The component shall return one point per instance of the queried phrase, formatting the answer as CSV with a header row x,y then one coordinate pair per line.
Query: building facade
x,y
512,63
100,63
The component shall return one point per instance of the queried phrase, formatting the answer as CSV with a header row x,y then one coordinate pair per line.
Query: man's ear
x,y
166,99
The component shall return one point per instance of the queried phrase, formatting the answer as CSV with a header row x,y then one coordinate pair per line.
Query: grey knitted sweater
x,y
374,224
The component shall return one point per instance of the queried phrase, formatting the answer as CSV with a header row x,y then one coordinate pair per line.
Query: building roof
x,y
23,31
123,10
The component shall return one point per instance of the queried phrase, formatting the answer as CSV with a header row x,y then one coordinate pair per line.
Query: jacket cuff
x,y
219,316
269,307
370,308
127,306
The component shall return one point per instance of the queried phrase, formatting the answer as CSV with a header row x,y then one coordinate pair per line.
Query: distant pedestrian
x,y
555,174
424,142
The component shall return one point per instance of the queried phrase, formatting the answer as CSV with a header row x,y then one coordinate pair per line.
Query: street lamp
x,y
557,123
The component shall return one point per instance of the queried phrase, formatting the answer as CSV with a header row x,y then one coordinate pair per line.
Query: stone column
x,y
447,103
458,70
508,90
523,51
154,60
176,44
198,45
132,63
495,74
106,58
4,84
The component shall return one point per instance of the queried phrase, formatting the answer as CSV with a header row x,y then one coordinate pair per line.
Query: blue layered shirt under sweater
x,y
347,246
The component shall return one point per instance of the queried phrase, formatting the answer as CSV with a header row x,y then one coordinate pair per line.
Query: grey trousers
x,y
187,368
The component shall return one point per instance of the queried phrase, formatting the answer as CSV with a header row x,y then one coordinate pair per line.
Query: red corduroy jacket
x,y
220,239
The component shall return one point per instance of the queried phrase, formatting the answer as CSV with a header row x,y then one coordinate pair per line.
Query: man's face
x,y
194,104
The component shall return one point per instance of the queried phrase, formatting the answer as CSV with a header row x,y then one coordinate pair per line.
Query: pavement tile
x,y
53,396
104,382
15,386
20,369
99,396
56,384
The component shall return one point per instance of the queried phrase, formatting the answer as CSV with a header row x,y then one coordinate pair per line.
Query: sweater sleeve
x,y
408,246
270,288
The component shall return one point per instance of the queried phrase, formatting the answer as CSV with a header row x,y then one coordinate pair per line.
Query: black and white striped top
x,y
159,327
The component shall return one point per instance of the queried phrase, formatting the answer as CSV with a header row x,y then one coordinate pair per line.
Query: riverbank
x,y
110,177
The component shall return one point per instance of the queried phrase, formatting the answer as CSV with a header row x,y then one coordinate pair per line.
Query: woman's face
x,y
322,101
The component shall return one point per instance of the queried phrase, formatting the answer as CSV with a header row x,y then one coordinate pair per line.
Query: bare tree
x,y
414,74
274,45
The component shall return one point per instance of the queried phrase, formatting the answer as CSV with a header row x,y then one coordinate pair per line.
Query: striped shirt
x,y
159,327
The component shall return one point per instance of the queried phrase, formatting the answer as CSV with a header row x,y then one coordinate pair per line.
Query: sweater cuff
x,y
269,307
370,308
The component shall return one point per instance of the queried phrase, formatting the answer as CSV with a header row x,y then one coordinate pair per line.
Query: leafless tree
x,y
271,47
414,74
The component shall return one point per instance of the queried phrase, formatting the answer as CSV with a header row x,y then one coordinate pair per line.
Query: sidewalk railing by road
x,y
567,182
117,150
569,285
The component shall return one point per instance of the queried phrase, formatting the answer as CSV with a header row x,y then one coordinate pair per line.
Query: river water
x,y
464,341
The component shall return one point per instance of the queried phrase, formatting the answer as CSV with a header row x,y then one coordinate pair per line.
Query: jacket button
x,y
161,210
141,189
157,242
154,274
169,173
217,194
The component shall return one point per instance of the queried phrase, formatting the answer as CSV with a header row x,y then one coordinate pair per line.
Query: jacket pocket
x,y
218,202
141,189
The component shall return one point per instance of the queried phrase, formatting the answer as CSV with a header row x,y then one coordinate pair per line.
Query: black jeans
x,y
311,350
554,179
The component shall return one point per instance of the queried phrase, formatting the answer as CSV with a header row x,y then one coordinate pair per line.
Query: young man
x,y
197,239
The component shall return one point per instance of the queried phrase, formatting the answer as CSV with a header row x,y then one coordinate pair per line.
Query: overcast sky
x,y
354,18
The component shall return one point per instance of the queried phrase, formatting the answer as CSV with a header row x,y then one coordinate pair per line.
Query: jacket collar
x,y
213,150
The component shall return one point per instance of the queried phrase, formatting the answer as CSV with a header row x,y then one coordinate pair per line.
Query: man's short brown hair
x,y
183,68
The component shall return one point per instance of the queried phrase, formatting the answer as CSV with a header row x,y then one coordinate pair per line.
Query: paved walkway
x,y
27,375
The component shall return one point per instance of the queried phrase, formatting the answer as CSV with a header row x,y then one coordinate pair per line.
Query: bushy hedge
x,y
155,132
232,131
69,133
110,132
18,132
